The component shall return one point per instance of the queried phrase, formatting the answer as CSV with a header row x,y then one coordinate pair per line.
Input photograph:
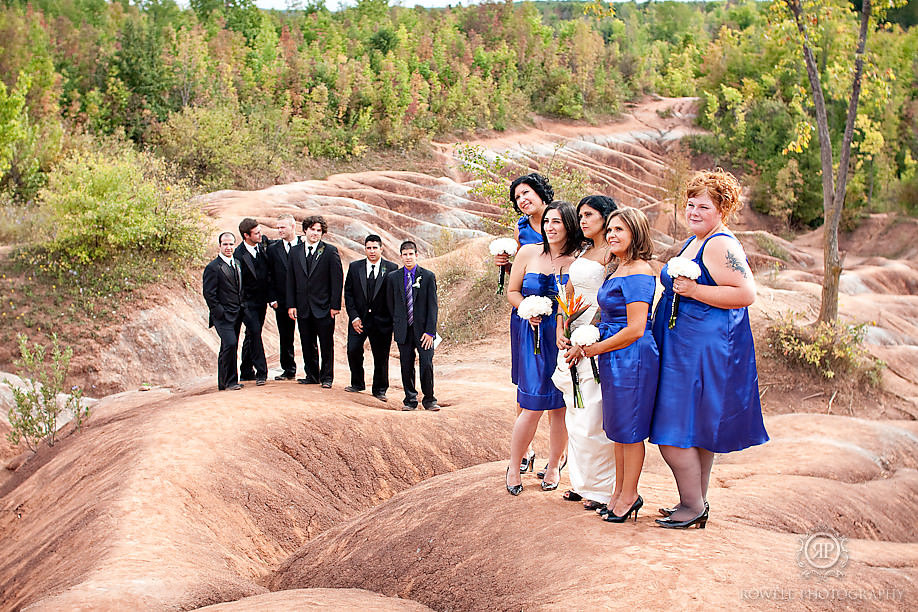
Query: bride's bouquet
x,y
570,312
535,306
500,246
681,266
585,336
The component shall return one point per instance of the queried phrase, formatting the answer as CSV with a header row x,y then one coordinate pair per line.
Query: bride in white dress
x,y
590,454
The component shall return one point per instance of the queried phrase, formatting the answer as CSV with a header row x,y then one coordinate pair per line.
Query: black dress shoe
x,y
235,387
409,407
326,385
381,397
699,521
260,382
432,407
352,389
285,377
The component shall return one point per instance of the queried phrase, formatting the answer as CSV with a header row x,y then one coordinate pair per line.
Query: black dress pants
x,y
285,331
226,359
321,329
253,365
379,346
406,353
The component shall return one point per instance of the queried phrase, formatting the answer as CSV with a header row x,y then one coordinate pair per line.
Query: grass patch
x,y
770,246
43,294
469,305
830,351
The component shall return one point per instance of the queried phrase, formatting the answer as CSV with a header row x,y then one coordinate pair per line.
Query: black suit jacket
x,y
254,274
372,310
222,292
425,303
277,273
314,288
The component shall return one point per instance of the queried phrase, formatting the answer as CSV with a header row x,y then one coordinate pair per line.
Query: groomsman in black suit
x,y
254,300
412,294
278,255
222,288
314,283
368,311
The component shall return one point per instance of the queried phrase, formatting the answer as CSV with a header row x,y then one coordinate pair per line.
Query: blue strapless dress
x,y
708,395
628,376
527,236
535,390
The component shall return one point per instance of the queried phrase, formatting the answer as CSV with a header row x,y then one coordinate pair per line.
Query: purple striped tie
x,y
409,297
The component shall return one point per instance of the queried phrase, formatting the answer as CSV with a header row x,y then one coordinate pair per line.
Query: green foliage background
x,y
235,97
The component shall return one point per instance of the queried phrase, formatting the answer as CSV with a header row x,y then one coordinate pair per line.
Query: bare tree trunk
x,y
833,196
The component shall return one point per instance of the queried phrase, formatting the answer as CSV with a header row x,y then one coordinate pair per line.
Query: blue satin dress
x,y
535,390
628,376
708,395
527,236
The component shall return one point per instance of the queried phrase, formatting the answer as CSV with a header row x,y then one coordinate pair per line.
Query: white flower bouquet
x,y
585,336
500,246
680,266
535,306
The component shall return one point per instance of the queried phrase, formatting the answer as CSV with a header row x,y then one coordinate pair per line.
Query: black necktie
x,y
309,261
371,280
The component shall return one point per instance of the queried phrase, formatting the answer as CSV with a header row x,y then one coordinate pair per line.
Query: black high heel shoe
x,y
699,521
541,473
611,517
515,489
667,512
551,486
528,462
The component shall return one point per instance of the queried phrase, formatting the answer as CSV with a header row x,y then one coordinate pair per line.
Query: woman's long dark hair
x,y
569,219
604,205
538,183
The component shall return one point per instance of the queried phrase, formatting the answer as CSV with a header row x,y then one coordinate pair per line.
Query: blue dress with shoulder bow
x,y
535,390
708,395
527,236
628,376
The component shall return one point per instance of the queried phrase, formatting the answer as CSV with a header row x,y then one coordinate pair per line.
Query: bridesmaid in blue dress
x,y
628,358
708,396
529,194
539,270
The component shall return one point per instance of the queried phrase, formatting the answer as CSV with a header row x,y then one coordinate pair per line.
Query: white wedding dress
x,y
590,454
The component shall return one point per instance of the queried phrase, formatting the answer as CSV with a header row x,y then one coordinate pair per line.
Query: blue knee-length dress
x,y
527,236
628,376
535,390
708,394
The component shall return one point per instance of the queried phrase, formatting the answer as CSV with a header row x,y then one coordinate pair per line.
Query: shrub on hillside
x,y
832,351
36,410
222,148
100,203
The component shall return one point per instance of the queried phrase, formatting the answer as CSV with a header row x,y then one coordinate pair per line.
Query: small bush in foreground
x,y
829,350
34,417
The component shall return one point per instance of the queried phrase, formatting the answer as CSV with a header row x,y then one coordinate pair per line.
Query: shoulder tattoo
x,y
735,264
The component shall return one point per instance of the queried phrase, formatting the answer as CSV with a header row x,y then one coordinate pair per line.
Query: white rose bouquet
x,y
585,336
500,246
680,266
535,306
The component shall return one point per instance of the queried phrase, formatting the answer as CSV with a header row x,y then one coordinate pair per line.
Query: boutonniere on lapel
x,y
417,283
320,250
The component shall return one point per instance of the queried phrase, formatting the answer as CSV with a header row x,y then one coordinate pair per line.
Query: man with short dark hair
x,y
278,257
254,300
368,311
222,288
314,283
412,295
